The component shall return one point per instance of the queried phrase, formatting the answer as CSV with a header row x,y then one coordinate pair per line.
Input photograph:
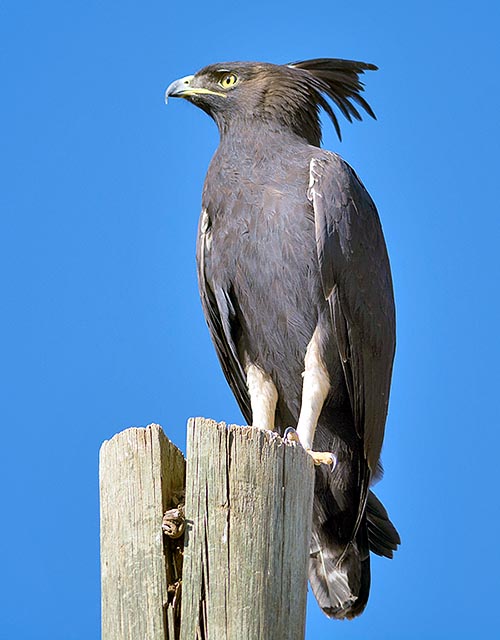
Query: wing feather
x,y
220,317
357,283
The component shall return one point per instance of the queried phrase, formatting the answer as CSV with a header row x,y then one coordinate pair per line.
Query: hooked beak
x,y
182,89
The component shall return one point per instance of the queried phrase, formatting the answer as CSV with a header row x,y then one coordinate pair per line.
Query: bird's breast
x,y
260,245
265,230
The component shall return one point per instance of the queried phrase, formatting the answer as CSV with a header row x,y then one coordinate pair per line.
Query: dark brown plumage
x,y
294,277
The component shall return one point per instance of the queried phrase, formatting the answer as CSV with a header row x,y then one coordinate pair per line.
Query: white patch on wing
x,y
312,180
314,172
205,228
315,388
263,397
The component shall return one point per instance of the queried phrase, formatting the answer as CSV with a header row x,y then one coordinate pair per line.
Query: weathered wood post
x,y
248,512
246,543
141,475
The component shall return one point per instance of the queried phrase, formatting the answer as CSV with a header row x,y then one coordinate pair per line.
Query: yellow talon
x,y
322,457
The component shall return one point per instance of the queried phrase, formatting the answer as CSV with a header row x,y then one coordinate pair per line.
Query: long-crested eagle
x,y
296,289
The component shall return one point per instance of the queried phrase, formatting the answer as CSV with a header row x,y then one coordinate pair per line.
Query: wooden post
x,y
247,533
141,476
248,523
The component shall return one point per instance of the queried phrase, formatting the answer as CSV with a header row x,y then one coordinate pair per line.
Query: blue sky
x,y
101,323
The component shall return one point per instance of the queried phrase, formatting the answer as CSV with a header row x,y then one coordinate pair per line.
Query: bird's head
x,y
280,97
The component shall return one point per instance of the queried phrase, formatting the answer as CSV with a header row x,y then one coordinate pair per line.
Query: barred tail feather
x,y
340,578
340,575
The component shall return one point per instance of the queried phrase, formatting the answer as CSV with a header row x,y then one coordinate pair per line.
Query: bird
x,y
296,289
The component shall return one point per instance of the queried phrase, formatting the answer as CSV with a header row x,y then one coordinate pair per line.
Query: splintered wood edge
x,y
154,429
153,451
272,437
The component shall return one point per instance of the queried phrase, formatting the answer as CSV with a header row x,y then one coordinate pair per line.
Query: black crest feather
x,y
339,80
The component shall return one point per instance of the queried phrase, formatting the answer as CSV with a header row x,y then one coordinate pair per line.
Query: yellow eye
x,y
228,80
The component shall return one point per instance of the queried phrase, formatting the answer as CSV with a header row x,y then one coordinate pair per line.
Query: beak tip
x,y
177,87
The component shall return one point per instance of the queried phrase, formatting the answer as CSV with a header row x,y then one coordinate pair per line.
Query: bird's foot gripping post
x,y
318,457
241,540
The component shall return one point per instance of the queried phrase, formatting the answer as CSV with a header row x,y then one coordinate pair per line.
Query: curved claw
x,y
323,457
291,435
319,457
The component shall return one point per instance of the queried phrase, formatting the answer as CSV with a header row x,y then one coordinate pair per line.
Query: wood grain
x,y
141,476
248,524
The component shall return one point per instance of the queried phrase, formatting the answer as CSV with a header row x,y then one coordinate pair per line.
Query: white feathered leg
x,y
263,397
315,388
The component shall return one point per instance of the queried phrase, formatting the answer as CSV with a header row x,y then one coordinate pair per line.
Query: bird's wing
x,y
357,283
220,317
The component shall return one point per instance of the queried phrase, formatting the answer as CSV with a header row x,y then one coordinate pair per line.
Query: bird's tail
x,y
340,574
340,577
